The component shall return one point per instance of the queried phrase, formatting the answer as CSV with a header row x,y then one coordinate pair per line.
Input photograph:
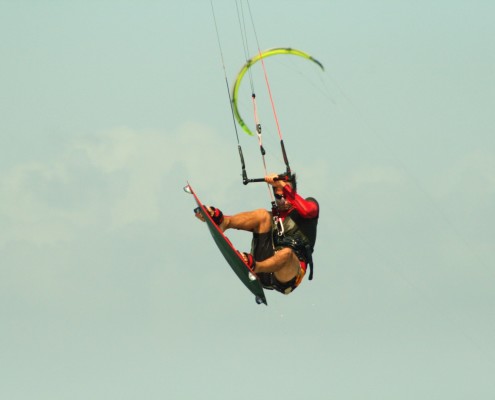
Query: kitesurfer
x,y
283,239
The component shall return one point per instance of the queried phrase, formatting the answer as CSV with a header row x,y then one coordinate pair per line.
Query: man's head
x,y
289,179
279,193
293,182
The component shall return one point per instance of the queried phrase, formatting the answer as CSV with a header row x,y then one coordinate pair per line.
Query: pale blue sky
x,y
110,289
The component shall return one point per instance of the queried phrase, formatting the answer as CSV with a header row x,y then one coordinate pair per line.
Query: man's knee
x,y
264,219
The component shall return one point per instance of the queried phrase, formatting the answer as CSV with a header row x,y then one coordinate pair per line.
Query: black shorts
x,y
261,249
262,246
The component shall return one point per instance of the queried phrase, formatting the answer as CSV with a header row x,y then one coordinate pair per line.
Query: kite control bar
x,y
283,177
246,181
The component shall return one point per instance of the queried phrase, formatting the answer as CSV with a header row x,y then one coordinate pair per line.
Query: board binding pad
x,y
231,255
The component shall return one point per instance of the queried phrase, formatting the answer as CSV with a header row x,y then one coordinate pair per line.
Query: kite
x,y
249,63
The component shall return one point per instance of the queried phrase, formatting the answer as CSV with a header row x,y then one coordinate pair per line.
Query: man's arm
x,y
306,208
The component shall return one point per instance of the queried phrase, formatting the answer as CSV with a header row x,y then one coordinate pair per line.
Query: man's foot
x,y
249,260
215,214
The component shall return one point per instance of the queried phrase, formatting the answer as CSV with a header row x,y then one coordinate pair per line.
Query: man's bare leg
x,y
284,264
257,221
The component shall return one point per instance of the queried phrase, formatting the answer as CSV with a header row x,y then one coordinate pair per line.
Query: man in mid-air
x,y
283,240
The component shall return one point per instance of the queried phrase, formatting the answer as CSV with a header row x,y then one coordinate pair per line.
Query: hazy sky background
x,y
110,289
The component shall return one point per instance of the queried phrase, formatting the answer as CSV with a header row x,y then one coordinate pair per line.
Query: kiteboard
x,y
231,255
